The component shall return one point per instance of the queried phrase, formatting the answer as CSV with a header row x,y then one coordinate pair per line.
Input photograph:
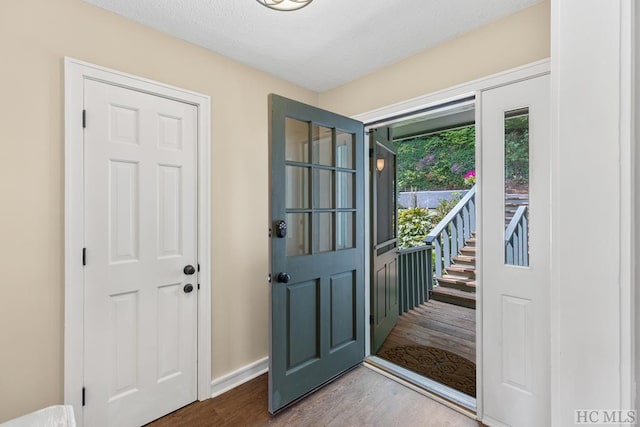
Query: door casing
x,y
76,72
415,107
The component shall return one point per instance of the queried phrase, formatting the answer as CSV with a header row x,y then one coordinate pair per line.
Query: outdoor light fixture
x,y
284,4
380,165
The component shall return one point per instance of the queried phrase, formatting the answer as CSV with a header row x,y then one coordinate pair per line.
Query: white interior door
x,y
140,234
515,236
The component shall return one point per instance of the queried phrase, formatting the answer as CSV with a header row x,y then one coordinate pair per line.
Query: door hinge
x,y
84,119
198,286
83,396
84,256
371,319
269,278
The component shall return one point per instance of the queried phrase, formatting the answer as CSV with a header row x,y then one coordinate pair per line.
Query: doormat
x,y
440,365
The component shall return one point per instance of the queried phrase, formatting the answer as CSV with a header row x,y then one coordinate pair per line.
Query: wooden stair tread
x,y
468,250
454,296
457,280
465,268
465,259
457,292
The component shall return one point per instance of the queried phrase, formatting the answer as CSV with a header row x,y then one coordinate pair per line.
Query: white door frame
x,y
75,74
417,106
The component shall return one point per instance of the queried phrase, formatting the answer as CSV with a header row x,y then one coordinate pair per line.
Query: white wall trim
x,y
454,93
408,107
636,216
479,263
627,205
239,376
75,73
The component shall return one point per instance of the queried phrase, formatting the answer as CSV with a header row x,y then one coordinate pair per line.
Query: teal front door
x,y
317,248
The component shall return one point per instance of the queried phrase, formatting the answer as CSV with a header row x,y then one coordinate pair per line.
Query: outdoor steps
x,y
456,282
465,260
468,250
454,296
512,202
458,285
466,271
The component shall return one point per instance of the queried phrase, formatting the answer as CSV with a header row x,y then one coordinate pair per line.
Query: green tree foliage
x,y
516,153
436,162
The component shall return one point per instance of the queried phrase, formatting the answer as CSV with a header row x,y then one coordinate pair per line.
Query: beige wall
x,y
35,35
34,38
518,39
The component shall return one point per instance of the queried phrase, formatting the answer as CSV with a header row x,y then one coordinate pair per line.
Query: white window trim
x,y
75,74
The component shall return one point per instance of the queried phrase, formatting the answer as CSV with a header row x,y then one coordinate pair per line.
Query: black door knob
x,y
187,288
189,270
283,277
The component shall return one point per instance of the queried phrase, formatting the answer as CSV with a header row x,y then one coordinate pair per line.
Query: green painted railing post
x,y
429,270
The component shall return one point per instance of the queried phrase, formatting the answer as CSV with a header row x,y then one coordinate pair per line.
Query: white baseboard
x,y
240,376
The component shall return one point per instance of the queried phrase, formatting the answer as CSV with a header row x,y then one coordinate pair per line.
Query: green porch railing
x,y
415,278
516,239
450,234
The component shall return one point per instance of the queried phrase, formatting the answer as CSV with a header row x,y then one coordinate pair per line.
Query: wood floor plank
x,y
359,398
436,324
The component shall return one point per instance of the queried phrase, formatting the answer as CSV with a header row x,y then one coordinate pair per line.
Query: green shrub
x,y
413,226
444,207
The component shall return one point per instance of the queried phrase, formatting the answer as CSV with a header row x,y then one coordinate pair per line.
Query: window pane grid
x,y
327,222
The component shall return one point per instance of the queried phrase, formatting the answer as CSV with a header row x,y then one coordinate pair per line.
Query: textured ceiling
x,y
324,45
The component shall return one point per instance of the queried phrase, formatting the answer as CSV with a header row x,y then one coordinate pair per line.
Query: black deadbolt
x,y
281,229
189,270
283,277
187,288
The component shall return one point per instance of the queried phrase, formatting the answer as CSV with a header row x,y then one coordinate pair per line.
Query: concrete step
x,y
454,296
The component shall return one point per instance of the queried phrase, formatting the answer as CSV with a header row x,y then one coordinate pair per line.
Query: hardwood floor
x,y
437,324
361,397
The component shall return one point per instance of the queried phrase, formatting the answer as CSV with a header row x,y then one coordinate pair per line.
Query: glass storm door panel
x,y
515,148
384,258
317,248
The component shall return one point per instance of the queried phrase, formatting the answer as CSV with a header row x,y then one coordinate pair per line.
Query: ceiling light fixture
x,y
284,4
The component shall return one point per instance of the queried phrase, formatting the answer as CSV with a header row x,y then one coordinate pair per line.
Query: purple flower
x,y
470,178
426,161
456,168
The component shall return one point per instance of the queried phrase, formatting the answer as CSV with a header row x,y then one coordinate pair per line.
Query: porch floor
x,y
436,324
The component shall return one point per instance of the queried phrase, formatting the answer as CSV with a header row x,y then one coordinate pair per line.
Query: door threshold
x,y
448,396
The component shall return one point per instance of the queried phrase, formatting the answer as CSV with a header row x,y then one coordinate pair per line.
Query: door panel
x,y
515,252
140,227
317,248
384,257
